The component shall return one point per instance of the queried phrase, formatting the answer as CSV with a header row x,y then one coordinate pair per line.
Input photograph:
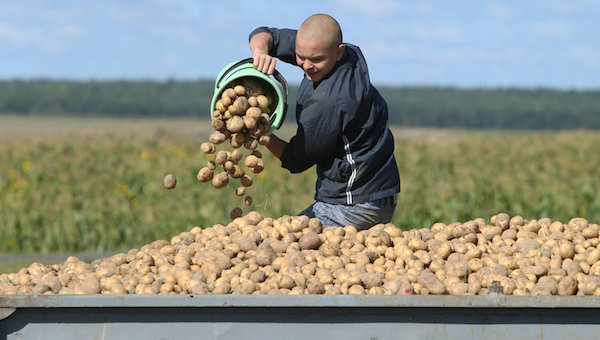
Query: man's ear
x,y
340,52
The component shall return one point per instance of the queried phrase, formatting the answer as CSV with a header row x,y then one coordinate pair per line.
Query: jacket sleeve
x,y
319,131
284,43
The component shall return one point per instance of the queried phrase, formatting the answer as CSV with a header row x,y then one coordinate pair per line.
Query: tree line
x,y
506,108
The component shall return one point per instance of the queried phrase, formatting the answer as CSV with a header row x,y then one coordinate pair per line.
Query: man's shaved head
x,y
318,46
321,27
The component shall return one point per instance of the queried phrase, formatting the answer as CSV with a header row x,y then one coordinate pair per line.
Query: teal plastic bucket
x,y
243,71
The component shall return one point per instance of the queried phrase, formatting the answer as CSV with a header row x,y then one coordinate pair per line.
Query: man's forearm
x,y
276,146
261,43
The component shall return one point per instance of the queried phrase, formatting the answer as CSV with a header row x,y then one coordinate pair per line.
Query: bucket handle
x,y
277,77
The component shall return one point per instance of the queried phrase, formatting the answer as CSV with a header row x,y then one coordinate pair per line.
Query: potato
x,y
251,161
457,268
221,180
48,282
256,132
263,102
236,156
253,112
264,121
567,286
252,101
218,124
217,137
211,165
170,181
356,290
264,140
296,255
265,254
208,148
221,157
249,122
220,106
259,167
223,288
235,124
240,105
370,280
239,90
226,101
251,143
229,93
246,180
310,240
240,191
237,140
578,223
237,171
233,111
315,287
235,213
590,233
248,201
205,174
566,249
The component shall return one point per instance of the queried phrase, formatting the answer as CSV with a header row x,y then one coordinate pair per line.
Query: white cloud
x,y
48,29
503,11
69,31
442,32
378,8
566,7
58,14
554,30
170,59
179,33
585,54
28,38
130,14
382,49
15,35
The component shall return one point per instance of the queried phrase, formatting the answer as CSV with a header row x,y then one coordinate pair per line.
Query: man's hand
x,y
260,44
264,62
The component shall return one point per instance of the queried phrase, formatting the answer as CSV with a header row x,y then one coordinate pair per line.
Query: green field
x,y
95,184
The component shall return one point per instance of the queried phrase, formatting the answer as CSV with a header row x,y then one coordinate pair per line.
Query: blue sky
x,y
549,43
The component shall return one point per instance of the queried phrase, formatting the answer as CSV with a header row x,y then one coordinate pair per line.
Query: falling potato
x,y
235,213
170,181
240,191
241,116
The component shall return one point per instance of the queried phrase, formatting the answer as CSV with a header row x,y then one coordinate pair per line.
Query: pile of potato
x,y
242,117
296,255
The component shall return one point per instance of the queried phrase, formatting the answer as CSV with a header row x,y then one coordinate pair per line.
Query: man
x,y
342,124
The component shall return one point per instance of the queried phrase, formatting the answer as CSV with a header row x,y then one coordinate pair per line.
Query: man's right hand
x,y
264,62
260,44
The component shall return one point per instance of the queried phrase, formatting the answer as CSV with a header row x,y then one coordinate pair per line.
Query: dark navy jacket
x,y
342,128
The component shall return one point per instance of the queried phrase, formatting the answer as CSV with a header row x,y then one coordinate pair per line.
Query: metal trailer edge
x,y
370,317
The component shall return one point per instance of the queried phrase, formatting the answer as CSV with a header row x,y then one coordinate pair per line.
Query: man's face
x,y
317,58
